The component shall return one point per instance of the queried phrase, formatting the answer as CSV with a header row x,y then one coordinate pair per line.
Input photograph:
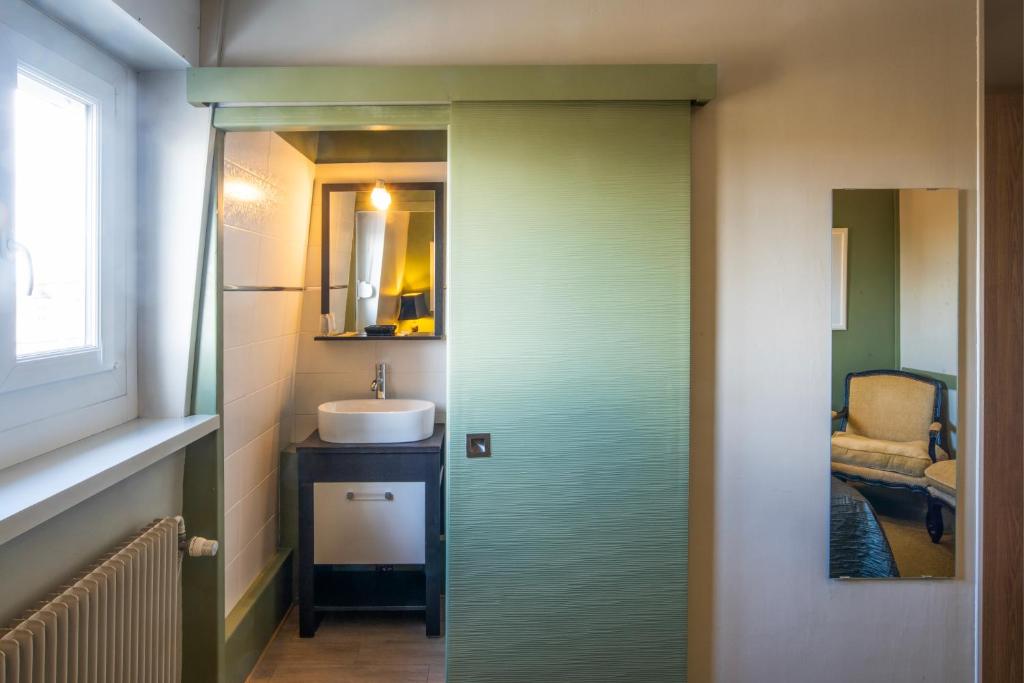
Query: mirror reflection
x,y
895,302
382,269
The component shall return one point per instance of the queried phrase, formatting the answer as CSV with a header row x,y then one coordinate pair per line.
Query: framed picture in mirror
x,y
840,239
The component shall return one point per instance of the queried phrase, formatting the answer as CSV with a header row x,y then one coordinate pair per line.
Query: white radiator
x,y
119,623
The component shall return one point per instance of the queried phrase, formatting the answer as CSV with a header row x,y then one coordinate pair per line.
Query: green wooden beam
x,y
350,117
444,84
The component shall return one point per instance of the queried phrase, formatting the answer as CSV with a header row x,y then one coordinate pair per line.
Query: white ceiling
x,y
145,34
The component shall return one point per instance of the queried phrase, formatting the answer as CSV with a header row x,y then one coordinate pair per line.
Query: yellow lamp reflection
x,y
380,197
241,191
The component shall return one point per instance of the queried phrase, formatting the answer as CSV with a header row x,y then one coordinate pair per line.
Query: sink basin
x,y
393,420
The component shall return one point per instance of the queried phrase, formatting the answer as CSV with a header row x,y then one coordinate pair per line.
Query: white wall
x,y
29,429
929,236
812,96
929,288
145,34
36,562
268,185
175,23
331,371
175,144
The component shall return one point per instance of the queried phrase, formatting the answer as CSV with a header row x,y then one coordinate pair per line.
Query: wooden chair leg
x,y
933,520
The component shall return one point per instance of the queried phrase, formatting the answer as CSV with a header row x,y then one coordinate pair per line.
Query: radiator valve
x,y
202,547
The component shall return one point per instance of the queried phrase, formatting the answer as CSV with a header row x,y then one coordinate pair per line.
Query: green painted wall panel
x,y
202,580
870,340
381,146
252,622
327,117
442,84
569,344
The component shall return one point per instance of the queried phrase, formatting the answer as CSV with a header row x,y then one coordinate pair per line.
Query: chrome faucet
x,y
379,383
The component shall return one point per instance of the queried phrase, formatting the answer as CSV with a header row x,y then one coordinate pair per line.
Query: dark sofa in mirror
x,y
382,268
895,356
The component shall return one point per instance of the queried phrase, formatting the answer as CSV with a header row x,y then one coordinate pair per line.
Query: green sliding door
x,y
569,294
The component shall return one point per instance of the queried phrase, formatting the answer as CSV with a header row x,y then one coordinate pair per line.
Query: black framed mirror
x,y
382,260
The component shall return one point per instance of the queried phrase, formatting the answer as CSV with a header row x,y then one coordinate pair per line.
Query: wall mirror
x,y
383,261
895,293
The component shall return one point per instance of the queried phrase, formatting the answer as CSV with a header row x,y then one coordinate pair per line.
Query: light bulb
x,y
380,197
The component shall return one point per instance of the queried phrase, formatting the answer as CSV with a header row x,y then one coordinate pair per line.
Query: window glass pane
x,y
55,218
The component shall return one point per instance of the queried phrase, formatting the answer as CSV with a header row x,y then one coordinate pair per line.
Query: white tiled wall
x,y
332,370
329,371
268,188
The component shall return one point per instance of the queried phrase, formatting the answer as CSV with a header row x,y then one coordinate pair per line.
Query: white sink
x,y
393,420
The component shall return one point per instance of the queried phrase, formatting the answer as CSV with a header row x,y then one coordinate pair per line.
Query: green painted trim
x,y
288,509
257,592
207,388
443,84
202,611
253,621
203,482
897,338
209,202
304,142
386,146
352,117
949,380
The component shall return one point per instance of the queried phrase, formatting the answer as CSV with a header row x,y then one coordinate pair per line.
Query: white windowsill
x,y
39,489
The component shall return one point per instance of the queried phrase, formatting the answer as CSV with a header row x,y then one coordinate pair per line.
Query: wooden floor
x,y
354,648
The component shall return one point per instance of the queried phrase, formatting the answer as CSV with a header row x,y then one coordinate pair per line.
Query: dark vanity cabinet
x,y
369,584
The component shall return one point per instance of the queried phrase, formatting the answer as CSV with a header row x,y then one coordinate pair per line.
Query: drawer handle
x,y
387,495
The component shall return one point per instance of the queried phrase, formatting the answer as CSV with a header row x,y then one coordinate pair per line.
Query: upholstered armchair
x,y
890,431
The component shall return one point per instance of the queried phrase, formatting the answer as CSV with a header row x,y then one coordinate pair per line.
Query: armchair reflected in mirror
x,y
895,359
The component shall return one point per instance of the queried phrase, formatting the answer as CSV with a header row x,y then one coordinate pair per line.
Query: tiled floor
x,y
354,648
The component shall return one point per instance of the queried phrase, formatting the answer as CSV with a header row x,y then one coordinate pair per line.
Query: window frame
x,y
50,400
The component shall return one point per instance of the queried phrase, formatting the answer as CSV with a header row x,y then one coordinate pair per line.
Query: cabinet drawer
x,y
368,523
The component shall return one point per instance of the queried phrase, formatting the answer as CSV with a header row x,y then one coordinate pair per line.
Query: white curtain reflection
x,y
381,242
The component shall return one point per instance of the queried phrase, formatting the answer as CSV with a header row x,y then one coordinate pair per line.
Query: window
x,y
54,241
67,217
